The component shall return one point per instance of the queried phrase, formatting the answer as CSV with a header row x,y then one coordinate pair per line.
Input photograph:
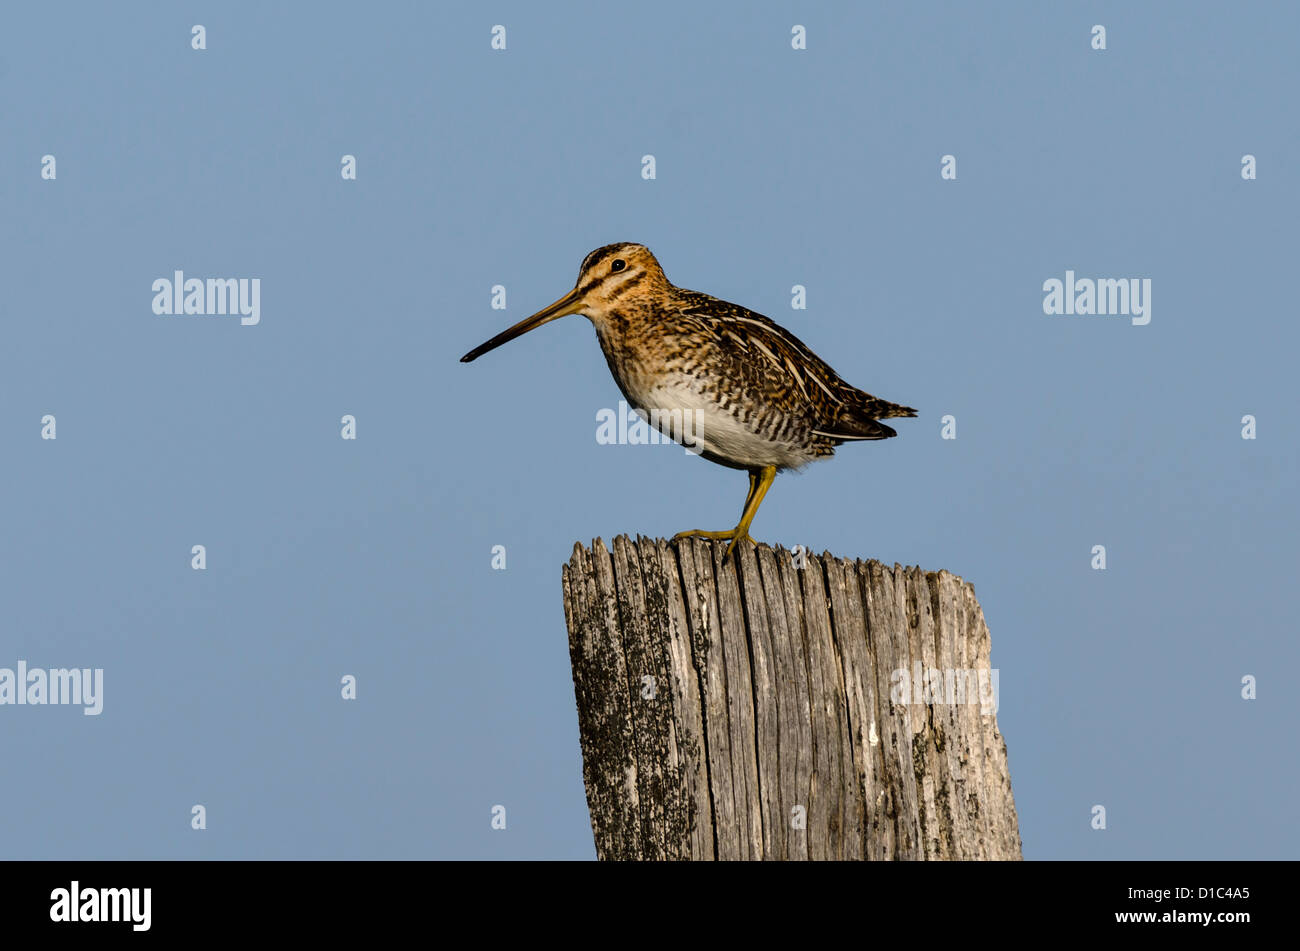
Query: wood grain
x,y
769,707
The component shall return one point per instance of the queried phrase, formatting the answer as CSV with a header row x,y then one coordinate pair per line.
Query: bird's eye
x,y
618,265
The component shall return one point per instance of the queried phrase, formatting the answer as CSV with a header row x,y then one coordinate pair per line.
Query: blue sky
x,y
774,167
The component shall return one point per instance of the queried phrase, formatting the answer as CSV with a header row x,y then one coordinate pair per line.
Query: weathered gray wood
x,y
755,708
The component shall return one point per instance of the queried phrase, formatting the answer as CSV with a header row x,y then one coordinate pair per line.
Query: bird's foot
x,y
735,535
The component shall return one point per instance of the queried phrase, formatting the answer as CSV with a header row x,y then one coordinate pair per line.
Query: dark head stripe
x,y
595,257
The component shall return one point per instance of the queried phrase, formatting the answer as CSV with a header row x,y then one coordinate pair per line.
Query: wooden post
x,y
773,710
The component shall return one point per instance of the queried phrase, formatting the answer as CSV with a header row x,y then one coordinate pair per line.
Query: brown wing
x,y
842,411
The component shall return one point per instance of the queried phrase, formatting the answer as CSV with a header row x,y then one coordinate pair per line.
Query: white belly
x,y
698,422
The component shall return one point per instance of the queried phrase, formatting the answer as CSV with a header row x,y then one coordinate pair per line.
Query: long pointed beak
x,y
570,303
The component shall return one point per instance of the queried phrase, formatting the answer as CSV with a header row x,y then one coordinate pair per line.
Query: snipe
x,y
758,399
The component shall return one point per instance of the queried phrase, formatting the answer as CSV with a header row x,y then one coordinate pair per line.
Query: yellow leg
x,y
759,483
700,533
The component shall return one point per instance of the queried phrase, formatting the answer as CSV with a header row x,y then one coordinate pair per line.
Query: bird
x,y
757,397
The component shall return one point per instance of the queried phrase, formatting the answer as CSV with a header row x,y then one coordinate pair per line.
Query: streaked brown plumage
x,y
762,400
